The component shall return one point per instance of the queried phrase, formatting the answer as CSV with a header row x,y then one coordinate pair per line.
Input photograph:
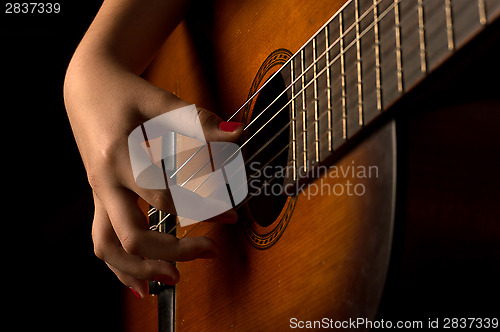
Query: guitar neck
x,y
363,60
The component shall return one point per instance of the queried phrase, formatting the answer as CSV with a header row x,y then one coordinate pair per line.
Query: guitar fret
x,y
359,63
421,35
367,62
343,78
294,125
399,64
437,32
328,92
374,55
410,51
482,12
388,53
334,64
449,25
304,111
162,218
378,69
316,105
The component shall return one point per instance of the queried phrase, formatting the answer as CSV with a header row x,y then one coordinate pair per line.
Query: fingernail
x,y
136,293
229,127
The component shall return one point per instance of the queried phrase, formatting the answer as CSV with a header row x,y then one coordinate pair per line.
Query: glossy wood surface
x,y
330,262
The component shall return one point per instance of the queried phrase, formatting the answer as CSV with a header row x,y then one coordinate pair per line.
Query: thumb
x,y
167,112
215,129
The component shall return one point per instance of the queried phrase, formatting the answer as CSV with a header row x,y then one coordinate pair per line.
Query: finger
x,y
132,230
133,269
139,287
160,189
107,246
215,129
159,102
187,203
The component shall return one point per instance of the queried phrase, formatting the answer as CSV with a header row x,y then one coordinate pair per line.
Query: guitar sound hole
x,y
265,169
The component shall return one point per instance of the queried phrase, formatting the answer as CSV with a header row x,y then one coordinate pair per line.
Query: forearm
x,y
128,33
102,82
106,100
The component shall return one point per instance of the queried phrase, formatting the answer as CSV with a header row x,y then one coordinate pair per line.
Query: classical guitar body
x,y
324,252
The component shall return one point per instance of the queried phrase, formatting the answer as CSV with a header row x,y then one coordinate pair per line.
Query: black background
x,y
54,280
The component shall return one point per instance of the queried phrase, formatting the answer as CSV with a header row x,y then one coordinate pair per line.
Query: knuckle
x,y
148,269
97,243
206,117
93,178
157,102
99,252
162,200
102,160
132,244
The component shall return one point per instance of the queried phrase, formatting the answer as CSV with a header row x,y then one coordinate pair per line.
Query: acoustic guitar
x,y
383,115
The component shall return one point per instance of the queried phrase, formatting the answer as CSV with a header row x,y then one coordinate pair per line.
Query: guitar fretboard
x,y
365,58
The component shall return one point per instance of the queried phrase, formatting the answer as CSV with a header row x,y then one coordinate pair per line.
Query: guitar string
x,y
381,16
324,113
316,76
251,158
311,66
328,65
154,227
236,208
322,28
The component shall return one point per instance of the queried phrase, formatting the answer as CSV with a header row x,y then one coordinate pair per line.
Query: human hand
x,y
105,103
